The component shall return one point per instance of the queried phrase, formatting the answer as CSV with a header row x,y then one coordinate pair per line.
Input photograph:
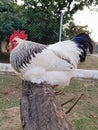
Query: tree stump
x,y
40,110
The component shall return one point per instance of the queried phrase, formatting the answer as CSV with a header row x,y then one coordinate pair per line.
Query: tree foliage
x,y
40,18
9,19
71,29
43,17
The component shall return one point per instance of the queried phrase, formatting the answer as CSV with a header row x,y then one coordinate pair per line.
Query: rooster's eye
x,y
14,41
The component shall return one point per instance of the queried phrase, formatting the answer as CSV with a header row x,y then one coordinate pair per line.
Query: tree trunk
x,y
40,110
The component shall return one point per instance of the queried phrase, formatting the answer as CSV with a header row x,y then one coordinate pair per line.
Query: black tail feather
x,y
84,42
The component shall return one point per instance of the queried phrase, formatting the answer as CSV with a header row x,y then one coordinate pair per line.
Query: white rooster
x,y
53,63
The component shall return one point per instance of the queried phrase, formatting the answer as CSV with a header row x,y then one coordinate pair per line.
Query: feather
x,y
22,54
53,64
84,42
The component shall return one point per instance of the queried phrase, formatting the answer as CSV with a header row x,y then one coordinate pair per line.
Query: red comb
x,y
19,34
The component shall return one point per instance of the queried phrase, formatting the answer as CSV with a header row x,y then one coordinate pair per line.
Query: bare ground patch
x,y
10,119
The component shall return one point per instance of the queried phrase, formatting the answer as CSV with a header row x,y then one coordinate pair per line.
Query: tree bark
x,y
40,110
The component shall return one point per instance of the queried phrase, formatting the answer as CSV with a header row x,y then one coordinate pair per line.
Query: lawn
x,y
91,62
84,116
10,93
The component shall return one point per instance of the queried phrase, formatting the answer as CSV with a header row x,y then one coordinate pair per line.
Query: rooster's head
x,y
16,34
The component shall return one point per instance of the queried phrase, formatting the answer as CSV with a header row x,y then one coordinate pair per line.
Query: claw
x,y
59,92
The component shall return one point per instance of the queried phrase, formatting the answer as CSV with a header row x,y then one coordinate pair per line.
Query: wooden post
x,y
40,110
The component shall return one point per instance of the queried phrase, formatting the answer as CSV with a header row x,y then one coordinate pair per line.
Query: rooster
x,y
53,64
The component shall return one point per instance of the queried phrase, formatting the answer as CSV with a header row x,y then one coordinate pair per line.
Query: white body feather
x,y
54,65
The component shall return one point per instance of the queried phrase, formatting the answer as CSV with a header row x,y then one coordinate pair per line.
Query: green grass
x,y
9,91
91,62
84,116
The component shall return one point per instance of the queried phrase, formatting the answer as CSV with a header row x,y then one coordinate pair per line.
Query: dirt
x,y
10,119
